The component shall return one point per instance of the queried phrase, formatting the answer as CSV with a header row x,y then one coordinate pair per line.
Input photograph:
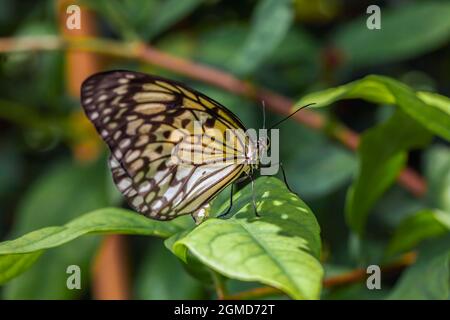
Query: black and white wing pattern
x,y
170,153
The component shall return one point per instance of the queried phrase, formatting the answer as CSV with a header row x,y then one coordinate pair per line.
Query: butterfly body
x,y
173,149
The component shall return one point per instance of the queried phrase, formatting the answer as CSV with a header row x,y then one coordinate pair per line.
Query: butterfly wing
x,y
171,150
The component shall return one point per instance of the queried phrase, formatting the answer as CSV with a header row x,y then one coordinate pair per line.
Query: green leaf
x,y
420,226
404,34
102,221
429,277
433,115
280,249
316,166
437,172
382,154
168,13
14,264
270,23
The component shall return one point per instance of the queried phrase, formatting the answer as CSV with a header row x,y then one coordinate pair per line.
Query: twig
x,y
353,276
219,285
408,178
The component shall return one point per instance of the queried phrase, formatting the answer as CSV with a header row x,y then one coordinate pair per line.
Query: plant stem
x,y
277,103
219,285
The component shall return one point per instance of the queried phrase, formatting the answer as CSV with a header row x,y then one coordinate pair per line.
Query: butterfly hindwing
x,y
145,120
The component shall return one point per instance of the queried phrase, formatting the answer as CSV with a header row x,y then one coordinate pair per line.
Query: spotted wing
x,y
171,150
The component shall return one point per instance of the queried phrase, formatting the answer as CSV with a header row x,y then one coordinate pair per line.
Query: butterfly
x,y
173,149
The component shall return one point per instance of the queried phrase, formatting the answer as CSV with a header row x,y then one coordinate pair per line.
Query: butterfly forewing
x,y
172,148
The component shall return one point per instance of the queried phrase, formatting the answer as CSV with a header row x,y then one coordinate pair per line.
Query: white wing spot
x,y
124,184
138,201
94,115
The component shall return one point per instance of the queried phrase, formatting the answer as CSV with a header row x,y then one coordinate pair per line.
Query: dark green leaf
x,y
404,34
270,23
429,277
420,226
382,154
437,171
168,13
14,264
315,166
161,276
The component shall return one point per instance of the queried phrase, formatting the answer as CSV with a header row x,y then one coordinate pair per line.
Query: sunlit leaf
x,y
431,114
280,249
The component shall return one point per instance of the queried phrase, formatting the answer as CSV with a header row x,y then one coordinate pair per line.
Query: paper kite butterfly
x,y
170,155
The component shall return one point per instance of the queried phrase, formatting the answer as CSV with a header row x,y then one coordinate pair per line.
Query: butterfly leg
x,y
285,180
253,196
223,215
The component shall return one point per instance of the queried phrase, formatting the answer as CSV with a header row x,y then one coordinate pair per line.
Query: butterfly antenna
x,y
264,114
282,120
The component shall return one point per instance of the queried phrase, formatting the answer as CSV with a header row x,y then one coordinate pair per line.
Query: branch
x,y
277,103
356,275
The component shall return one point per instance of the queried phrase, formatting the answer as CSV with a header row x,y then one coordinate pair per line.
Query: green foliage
x,y
316,166
433,112
422,225
57,209
278,249
405,34
160,272
41,208
429,277
270,23
14,264
382,154
437,168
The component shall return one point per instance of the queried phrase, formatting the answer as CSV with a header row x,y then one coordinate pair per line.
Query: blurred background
x,y
52,164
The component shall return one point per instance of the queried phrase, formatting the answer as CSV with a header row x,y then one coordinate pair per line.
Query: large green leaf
x,y
102,221
404,34
418,227
430,110
382,154
270,23
429,277
280,249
